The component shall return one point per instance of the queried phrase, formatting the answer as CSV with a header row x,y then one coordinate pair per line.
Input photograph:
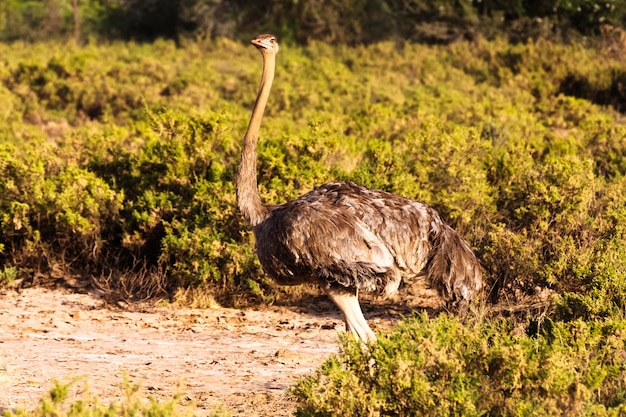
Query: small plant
x,y
57,403
8,275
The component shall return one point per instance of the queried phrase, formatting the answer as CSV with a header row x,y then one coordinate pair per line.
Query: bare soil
x,y
244,360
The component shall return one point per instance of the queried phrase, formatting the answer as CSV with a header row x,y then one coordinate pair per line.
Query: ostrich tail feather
x,y
453,269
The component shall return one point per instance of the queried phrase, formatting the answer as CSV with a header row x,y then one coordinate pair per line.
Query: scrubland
x,y
117,163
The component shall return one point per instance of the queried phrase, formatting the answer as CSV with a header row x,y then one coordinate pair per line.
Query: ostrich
x,y
348,238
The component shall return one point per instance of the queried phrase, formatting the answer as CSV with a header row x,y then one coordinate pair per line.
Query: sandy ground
x,y
244,360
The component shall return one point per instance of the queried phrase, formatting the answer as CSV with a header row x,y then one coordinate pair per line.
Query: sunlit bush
x,y
445,368
492,135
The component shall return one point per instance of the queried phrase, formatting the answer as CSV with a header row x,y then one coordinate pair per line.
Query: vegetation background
x,y
349,22
120,124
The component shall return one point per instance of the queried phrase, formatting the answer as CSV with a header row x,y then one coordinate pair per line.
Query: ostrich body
x,y
348,238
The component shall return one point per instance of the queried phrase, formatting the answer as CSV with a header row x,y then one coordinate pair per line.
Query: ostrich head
x,y
266,44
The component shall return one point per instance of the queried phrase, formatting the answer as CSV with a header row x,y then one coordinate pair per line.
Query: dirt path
x,y
243,359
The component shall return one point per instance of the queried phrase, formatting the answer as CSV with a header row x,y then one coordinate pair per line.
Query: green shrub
x,y
445,368
52,209
529,172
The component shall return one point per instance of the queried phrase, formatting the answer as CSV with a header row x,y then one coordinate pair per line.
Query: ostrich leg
x,y
348,303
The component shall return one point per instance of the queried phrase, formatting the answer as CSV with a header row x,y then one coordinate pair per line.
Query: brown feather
x,y
345,234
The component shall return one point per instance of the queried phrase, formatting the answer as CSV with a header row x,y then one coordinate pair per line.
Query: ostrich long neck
x,y
248,199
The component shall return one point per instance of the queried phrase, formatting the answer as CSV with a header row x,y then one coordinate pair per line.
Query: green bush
x,y
180,202
530,172
52,209
443,367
